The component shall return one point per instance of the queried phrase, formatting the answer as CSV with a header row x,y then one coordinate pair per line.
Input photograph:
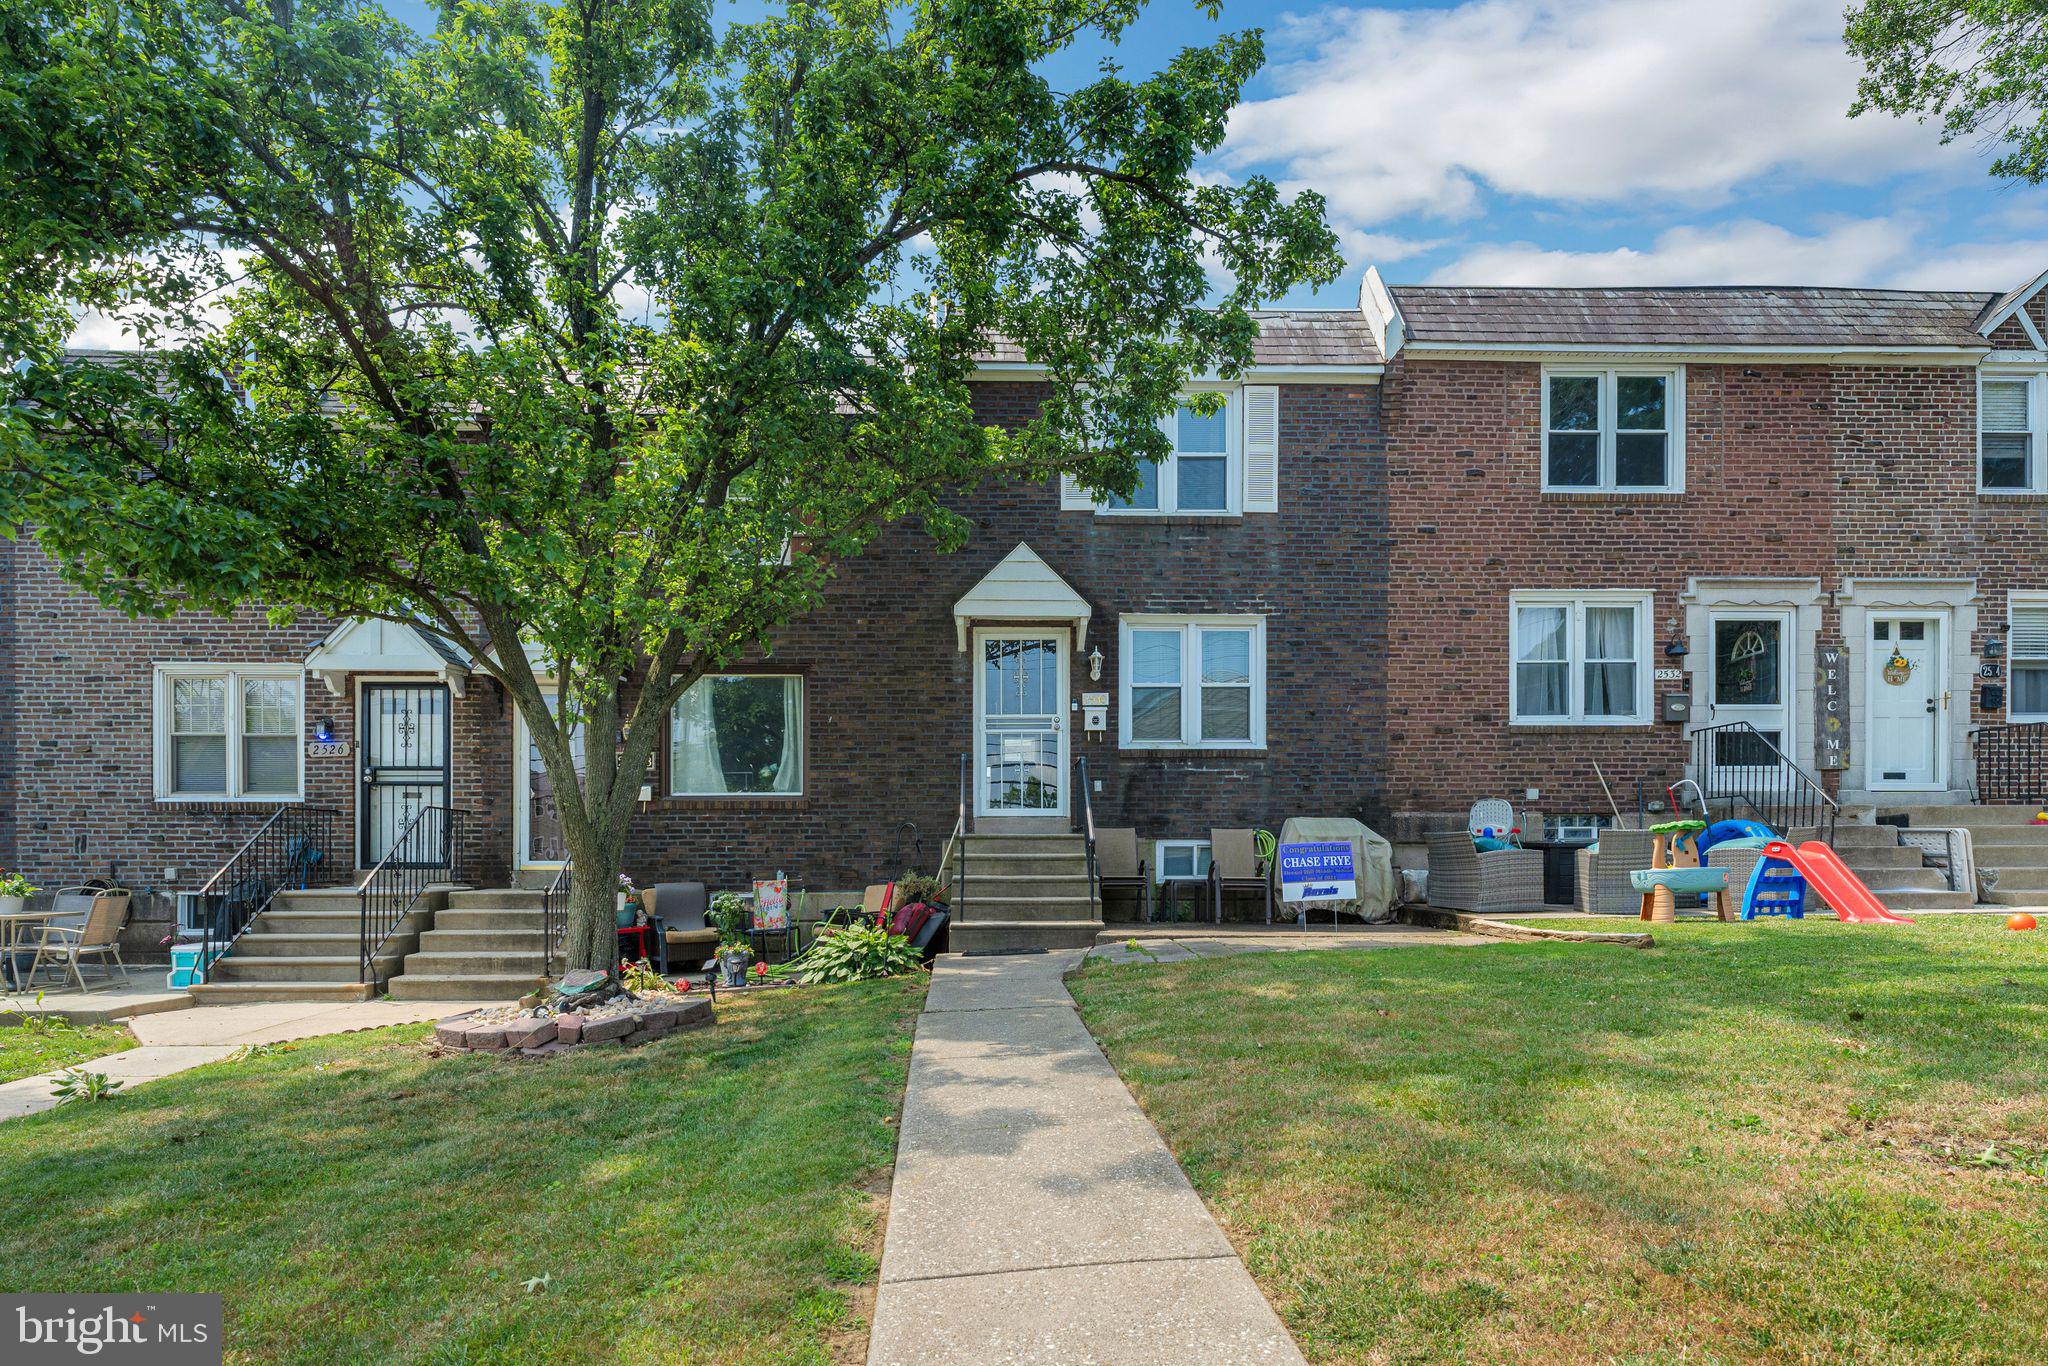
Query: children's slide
x,y
1823,868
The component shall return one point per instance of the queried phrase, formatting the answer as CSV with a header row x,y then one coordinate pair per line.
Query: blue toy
x,y
1730,830
1775,888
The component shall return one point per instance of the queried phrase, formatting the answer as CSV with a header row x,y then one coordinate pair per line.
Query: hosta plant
x,y
855,953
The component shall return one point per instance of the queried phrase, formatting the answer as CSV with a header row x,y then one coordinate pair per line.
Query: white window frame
x,y
1576,601
2037,444
2017,598
1169,468
233,676
1159,848
1190,628
803,742
1608,418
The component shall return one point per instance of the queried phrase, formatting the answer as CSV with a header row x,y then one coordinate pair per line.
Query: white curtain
x,y
1610,661
694,760
1542,675
789,768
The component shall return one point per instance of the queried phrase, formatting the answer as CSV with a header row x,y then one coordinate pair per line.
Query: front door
x,y
405,760
1905,692
1020,723
1751,682
538,813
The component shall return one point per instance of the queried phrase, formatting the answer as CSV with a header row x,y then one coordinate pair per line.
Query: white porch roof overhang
x,y
1023,588
371,645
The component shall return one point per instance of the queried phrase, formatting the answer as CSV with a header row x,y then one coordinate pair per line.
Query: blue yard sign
x,y
1318,872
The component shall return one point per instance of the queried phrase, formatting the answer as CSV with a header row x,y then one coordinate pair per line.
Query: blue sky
x,y
1608,142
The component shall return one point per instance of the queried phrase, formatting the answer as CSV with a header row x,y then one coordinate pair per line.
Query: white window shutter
x,y
1074,498
1262,448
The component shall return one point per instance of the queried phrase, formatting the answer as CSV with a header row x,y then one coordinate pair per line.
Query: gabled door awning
x,y
373,646
1023,588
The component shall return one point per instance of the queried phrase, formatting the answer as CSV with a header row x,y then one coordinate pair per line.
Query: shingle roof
x,y
1287,336
1701,316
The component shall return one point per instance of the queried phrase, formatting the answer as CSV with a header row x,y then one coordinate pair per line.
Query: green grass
x,y
708,1197
1769,1141
48,1043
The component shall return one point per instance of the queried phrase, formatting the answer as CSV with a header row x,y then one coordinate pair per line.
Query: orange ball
x,y
2022,921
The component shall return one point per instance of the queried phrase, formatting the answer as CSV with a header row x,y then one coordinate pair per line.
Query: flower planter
x,y
12,905
732,968
628,912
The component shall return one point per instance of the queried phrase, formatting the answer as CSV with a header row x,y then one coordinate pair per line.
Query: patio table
x,y
12,924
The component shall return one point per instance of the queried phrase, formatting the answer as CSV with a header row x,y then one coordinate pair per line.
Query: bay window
x,y
738,735
1580,658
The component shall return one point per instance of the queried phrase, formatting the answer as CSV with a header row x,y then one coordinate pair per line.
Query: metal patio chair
x,y
1120,868
66,946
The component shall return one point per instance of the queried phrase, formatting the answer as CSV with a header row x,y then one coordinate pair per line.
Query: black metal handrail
x,y
1737,763
554,914
962,822
2012,763
283,854
1084,825
427,853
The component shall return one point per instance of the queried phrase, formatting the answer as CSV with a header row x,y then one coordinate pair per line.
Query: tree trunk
x,y
592,940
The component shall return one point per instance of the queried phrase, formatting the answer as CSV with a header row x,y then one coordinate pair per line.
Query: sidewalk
x,y
1036,1214
179,1041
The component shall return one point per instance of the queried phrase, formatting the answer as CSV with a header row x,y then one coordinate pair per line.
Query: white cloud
x,y
1748,252
1621,102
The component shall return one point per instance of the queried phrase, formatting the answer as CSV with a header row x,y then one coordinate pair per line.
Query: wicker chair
x,y
1604,886
1461,878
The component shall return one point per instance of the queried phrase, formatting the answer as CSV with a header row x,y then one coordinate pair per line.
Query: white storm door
x,y
536,809
1020,724
1751,681
1903,719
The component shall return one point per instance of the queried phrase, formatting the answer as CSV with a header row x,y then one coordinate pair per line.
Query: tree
x,y
592,335
1979,66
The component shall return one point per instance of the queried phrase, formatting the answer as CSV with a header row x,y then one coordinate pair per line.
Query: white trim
x,y
2020,598
1382,312
2017,304
1061,726
1159,848
1168,483
1575,601
1860,599
161,774
2037,428
522,797
803,743
1022,587
1675,351
376,644
1790,732
989,372
1190,626
1607,420
1938,620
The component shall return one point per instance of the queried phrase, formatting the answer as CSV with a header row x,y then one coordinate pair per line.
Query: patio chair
x,y
1235,866
1603,872
66,946
1463,878
678,912
1492,813
1119,868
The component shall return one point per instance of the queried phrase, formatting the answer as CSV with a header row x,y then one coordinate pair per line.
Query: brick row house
x,y
1452,543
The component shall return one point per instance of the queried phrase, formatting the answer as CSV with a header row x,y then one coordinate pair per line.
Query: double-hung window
x,y
1613,430
738,735
1580,658
2009,455
225,734
1199,476
1193,682
2027,645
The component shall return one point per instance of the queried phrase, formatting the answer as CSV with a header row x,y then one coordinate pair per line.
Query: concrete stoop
x,y
306,947
1022,886
485,945
2011,853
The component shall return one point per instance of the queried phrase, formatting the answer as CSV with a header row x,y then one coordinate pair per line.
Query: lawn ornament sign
x,y
771,904
1318,872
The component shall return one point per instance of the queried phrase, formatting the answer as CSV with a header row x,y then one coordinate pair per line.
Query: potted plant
x,y
15,891
629,903
733,957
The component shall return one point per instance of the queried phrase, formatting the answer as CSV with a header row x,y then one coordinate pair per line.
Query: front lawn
x,y
48,1043
1775,1140
708,1197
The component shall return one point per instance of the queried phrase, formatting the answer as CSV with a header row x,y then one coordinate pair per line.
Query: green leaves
x,y
1979,67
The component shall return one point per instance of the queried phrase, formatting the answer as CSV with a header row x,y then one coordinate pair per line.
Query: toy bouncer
x,y
1675,871
1782,877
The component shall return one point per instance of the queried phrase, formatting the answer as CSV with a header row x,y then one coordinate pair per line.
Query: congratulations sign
x,y
1318,872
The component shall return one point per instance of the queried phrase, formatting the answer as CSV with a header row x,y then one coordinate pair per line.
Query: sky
x,y
1583,142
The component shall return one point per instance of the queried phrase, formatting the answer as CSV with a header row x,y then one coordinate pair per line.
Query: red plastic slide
x,y
1825,872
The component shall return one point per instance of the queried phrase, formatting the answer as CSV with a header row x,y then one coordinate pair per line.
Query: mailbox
x,y
1675,706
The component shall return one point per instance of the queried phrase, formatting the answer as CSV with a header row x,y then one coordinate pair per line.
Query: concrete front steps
x,y
1896,873
306,947
1023,887
2011,851
485,945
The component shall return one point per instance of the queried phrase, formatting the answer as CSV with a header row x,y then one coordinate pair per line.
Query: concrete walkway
x,y
180,1041
1036,1214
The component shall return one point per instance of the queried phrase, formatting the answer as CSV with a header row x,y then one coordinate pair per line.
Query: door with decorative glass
x,y
405,760
1751,681
1020,730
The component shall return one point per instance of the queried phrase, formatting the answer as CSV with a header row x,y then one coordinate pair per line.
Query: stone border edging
x,y
536,1037
1439,917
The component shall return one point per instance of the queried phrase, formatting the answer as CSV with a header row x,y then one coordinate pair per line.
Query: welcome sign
x,y
1321,871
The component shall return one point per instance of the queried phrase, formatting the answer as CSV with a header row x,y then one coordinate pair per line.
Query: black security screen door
x,y
405,760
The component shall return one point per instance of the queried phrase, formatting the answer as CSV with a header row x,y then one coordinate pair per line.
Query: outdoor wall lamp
x,y
323,731
1095,664
1677,648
